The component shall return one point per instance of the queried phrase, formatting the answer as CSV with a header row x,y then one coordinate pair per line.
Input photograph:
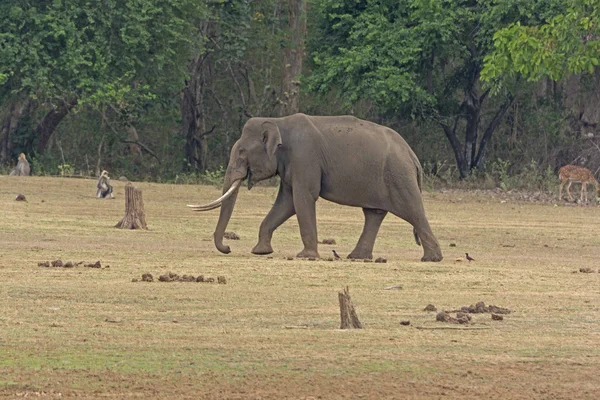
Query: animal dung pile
x,y
461,318
481,308
586,270
97,264
173,277
69,264
463,314
56,264
381,260
328,241
231,236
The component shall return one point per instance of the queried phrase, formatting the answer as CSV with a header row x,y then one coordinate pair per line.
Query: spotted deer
x,y
573,173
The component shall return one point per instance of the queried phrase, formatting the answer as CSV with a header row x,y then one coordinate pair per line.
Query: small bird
x,y
336,255
469,257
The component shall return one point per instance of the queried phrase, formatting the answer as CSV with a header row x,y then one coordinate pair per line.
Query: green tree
x,y
419,58
250,67
57,55
567,43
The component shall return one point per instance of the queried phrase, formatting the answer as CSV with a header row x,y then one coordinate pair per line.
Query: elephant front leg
x,y
281,211
364,247
304,204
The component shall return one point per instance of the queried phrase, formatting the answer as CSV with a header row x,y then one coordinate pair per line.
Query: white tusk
x,y
217,202
205,207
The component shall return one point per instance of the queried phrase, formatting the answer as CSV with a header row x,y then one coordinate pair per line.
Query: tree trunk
x,y
463,168
134,139
473,154
473,109
194,118
347,312
10,123
134,218
8,127
48,125
293,55
494,123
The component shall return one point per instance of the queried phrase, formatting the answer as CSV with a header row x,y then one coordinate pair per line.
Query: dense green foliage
x,y
567,43
123,52
161,89
421,58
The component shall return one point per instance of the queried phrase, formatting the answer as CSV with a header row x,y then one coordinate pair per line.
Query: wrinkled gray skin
x,y
341,159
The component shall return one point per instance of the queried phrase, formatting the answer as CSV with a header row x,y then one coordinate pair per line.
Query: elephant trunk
x,y
227,206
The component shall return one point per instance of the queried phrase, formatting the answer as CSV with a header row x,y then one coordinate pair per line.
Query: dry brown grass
x,y
92,332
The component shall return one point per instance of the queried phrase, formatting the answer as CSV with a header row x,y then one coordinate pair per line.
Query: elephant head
x,y
253,156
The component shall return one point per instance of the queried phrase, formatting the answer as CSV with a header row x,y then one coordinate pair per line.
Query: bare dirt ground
x,y
271,332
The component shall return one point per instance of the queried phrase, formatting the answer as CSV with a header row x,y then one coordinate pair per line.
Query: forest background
x,y
489,93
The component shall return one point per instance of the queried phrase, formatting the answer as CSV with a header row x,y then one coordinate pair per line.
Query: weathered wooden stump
x,y
347,311
134,218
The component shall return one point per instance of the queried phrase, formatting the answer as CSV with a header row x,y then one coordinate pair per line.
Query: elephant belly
x,y
371,181
366,192
365,167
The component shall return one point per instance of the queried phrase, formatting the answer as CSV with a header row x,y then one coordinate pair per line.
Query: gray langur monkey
x,y
105,190
22,168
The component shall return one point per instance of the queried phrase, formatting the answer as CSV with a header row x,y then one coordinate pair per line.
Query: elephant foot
x,y
308,254
360,255
262,249
433,256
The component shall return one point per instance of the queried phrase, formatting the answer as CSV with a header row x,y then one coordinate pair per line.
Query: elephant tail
x,y
419,175
420,183
416,237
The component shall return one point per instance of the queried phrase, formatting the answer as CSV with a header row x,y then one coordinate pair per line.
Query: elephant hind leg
x,y
431,247
364,247
410,208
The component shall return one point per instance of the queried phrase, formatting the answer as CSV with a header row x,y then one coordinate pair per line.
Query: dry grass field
x,y
272,331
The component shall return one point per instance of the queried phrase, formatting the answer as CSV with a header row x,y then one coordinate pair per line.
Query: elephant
x,y
342,159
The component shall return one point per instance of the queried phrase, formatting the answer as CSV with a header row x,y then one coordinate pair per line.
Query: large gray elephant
x,y
342,159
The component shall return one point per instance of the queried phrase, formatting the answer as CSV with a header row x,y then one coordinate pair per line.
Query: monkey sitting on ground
x,y
105,190
22,168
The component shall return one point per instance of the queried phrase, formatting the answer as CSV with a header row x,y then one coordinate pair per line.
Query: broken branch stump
x,y
134,218
347,311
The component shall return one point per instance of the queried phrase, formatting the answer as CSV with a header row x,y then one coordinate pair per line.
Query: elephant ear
x,y
271,137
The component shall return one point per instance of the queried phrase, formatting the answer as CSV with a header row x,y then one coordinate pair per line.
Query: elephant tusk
x,y
217,202
204,207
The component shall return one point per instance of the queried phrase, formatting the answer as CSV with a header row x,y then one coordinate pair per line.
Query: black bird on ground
x,y
469,257
336,255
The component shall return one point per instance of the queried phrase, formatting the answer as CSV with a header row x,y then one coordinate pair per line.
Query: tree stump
x,y
134,218
347,312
